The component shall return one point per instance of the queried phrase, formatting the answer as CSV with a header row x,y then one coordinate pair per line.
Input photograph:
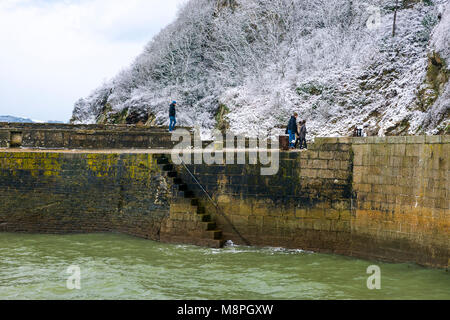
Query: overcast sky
x,y
54,52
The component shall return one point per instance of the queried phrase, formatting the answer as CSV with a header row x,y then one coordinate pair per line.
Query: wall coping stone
x,y
401,140
74,127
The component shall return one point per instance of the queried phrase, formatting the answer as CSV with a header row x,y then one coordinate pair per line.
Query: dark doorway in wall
x,y
16,139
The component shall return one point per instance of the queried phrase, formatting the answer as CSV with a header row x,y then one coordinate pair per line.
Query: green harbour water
x,y
115,266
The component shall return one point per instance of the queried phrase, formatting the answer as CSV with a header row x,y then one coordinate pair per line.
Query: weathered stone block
x,y
341,174
316,213
4,139
379,140
326,174
341,204
327,155
358,141
301,213
312,173
398,150
415,139
332,214
412,150
319,164
396,139
433,139
358,177
342,156
333,164
358,158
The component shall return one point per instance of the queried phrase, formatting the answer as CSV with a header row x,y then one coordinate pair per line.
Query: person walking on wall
x,y
292,130
302,135
172,116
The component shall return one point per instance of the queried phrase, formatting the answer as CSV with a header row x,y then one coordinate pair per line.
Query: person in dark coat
x,y
302,135
297,141
172,116
292,129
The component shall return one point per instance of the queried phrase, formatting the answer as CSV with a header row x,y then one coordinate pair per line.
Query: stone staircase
x,y
188,221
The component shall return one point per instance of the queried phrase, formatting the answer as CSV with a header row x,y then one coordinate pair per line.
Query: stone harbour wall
x,y
402,205
45,192
376,198
305,205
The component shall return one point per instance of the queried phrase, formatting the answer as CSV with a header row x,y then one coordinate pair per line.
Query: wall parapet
x,y
402,140
386,139
67,136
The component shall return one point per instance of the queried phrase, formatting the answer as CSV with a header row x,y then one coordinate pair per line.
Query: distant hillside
x,y
55,121
15,119
24,120
247,65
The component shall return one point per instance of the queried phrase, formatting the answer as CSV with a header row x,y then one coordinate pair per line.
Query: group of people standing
x,y
297,133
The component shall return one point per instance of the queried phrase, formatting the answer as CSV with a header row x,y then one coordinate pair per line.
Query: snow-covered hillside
x,y
247,65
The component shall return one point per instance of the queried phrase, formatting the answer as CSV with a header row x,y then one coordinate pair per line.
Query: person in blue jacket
x,y
172,116
292,130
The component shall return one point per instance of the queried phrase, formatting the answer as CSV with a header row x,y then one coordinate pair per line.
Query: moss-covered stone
x,y
220,116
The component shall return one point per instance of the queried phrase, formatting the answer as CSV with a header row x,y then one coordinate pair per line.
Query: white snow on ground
x,y
265,59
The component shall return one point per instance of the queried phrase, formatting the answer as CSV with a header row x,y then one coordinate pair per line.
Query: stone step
x,y
203,218
161,167
183,208
162,160
211,243
213,234
182,192
172,174
186,194
209,226
181,202
167,167
176,181
201,210
187,201
191,223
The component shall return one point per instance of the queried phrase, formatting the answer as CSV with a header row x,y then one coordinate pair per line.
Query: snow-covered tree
x,y
253,62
